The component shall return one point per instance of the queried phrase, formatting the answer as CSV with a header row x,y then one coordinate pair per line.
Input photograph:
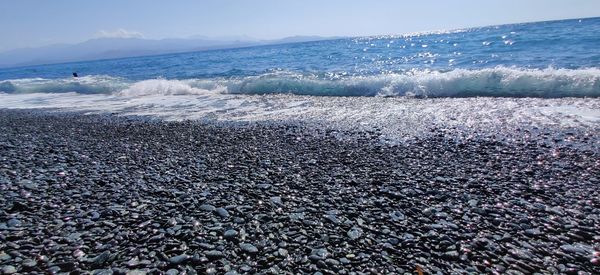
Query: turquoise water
x,y
544,59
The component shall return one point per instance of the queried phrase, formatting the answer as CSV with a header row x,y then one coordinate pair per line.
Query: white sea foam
x,y
492,82
396,117
399,104
163,87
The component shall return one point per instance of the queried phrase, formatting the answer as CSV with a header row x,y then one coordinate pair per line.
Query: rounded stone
x,y
9,269
207,207
230,234
222,212
29,263
214,254
179,259
249,248
354,233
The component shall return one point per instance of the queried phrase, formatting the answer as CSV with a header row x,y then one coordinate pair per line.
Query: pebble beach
x,y
105,194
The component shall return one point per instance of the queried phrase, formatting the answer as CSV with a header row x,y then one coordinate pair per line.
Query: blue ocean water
x,y
543,59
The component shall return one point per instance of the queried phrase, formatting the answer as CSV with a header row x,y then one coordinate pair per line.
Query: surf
x,y
487,82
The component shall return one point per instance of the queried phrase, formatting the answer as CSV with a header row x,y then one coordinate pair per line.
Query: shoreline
x,y
397,118
113,194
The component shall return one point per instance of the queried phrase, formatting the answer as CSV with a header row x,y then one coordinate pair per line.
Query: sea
x,y
507,76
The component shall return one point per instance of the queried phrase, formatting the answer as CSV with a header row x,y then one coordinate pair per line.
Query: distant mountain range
x,y
106,48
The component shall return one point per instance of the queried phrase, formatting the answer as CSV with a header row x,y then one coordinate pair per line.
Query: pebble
x,y
222,212
179,259
101,258
214,254
9,269
248,248
354,233
14,223
263,186
133,262
332,262
230,234
282,252
533,232
95,215
451,255
319,254
207,207
78,253
397,216
276,201
4,257
105,272
29,263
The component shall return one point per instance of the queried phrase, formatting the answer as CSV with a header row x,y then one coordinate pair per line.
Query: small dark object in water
x,y
75,75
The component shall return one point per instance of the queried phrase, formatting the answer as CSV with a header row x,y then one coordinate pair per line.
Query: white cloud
x,y
119,33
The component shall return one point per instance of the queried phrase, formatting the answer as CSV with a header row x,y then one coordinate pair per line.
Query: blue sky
x,y
32,23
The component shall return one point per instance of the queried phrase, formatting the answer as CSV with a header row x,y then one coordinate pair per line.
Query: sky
x,y
34,23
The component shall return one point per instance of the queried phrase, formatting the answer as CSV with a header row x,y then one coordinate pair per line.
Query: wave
x,y
491,82
82,85
164,87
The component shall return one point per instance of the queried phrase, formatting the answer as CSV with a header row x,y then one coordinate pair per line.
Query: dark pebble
x,y
179,259
248,248
222,212
128,195
9,269
230,234
214,254
207,207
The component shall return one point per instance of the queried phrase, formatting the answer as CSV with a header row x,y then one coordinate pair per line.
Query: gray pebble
x,y
179,259
222,212
207,207
14,223
230,234
249,248
9,269
354,233
214,254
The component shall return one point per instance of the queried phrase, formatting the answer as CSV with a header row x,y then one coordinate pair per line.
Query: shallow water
x,y
543,74
396,118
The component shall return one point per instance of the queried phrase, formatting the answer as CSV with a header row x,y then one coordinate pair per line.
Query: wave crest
x,y
492,82
83,85
162,87
496,82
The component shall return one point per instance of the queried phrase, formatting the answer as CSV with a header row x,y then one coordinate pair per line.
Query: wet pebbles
x,y
110,195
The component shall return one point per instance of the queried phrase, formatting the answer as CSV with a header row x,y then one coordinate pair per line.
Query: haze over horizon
x,y
31,23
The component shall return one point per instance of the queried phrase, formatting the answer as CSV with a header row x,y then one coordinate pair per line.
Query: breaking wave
x,y
82,85
492,82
